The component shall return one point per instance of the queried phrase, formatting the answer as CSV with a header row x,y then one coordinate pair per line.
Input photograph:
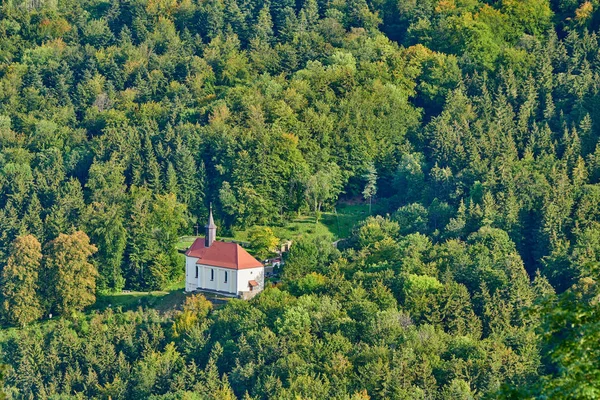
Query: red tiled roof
x,y
222,254
253,283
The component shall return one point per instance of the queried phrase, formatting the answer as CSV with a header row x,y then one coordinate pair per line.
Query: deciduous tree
x,y
20,295
71,277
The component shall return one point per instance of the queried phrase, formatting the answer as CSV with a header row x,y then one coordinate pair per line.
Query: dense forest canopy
x,y
472,125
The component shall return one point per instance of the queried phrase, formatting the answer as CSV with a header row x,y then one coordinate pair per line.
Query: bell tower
x,y
211,230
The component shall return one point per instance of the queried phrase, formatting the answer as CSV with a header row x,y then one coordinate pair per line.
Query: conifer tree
x,y
170,184
371,186
32,220
263,30
104,224
190,178
309,15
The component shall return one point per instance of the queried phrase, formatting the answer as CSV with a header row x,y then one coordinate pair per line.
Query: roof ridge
x,y
222,254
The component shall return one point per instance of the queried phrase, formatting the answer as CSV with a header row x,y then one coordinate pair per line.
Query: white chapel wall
x,y
218,282
245,275
191,283
237,280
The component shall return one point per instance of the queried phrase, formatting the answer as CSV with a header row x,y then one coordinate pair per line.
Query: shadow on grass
x,y
162,301
340,223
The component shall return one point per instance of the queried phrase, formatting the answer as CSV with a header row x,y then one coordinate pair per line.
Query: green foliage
x,y
107,231
195,309
70,277
311,283
474,124
322,187
309,254
371,186
20,290
534,16
263,241
569,330
151,252
351,324
412,218
375,229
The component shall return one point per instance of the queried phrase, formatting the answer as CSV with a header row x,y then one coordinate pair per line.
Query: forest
x,y
472,128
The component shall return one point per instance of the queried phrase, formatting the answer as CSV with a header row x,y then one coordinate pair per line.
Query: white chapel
x,y
224,267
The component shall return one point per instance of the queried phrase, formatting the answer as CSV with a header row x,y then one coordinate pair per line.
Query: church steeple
x,y
211,230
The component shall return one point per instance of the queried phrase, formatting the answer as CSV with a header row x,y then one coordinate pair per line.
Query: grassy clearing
x,y
346,216
337,224
185,242
162,300
301,226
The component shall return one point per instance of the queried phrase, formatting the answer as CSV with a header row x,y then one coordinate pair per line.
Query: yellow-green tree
x,y
20,302
71,275
534,16
195,310
262,240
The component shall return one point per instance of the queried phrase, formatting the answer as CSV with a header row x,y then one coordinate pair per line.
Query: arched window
x,y
225,276
212,274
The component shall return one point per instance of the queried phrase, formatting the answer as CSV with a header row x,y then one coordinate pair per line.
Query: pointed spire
x,y
211,229
211,221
